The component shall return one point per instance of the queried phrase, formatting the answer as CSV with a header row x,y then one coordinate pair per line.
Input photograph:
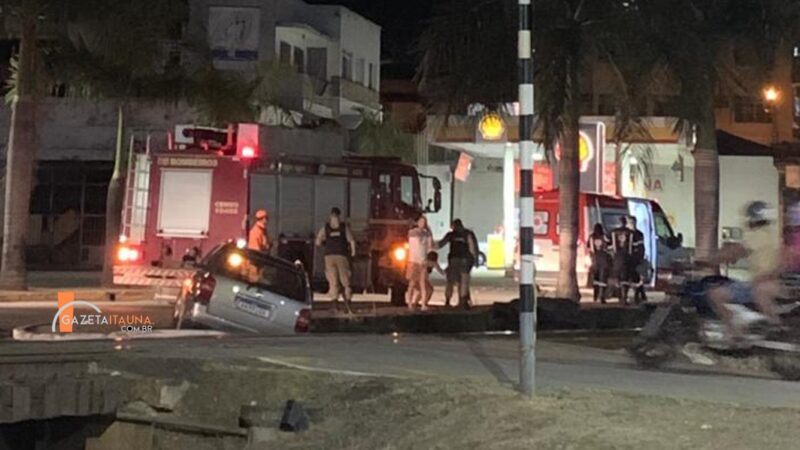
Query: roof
x,y
732,145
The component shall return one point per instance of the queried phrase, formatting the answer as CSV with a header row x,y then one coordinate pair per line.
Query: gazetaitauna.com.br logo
x,y
66,320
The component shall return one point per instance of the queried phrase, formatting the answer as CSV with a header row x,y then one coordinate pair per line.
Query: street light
x,y
771,96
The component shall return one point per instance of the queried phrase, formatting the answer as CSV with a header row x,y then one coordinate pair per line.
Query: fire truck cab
x,y
183,201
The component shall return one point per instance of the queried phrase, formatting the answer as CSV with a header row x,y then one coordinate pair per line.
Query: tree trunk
x,y
618,172
706,189
569,187
19,162
114,200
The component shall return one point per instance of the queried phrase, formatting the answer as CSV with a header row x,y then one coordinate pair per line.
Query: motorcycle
x,y
687,317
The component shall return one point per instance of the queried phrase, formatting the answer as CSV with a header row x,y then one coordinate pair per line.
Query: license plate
x,y
252,307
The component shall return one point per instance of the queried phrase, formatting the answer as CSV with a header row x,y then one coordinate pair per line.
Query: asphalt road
x,y
32,313
476,357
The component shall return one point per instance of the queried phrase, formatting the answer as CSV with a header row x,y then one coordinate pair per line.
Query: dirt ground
x,y
364,413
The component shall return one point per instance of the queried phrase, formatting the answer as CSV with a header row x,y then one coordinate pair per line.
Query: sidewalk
x,y
488,287
45,286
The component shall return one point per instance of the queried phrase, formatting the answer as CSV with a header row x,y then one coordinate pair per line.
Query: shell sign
x,y
492,127
586,151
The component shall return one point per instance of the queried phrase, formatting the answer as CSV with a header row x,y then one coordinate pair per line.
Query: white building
x,y
335,53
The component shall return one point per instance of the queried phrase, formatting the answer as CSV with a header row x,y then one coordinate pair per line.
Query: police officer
x,y
339,246
598,246
638,262
622,246
462,257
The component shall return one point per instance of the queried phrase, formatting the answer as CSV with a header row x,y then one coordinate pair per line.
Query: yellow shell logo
x,y
492,127
585,151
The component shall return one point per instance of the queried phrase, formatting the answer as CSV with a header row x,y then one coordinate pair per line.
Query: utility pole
x,y
527,290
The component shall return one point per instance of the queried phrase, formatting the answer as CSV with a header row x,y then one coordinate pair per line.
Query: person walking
x,y
639,268
598,245
258,237
338,245
621,245
420,243
460,261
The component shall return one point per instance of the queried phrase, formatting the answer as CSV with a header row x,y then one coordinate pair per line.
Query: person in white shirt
x,y
420,243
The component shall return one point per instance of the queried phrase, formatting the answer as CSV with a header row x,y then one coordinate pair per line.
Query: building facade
x,y
328,59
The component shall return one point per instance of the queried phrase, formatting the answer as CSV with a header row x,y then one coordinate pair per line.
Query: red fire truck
x,y
196,194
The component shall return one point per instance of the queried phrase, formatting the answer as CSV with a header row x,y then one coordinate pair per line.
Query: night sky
x,y
402,22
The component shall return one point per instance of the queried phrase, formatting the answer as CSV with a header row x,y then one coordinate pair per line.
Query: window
x,y
259,270
285,54
382,200
371,75
746,110
541,223
185,202
359,72
299,60
407,190
318,63
663,229
612,219
347,66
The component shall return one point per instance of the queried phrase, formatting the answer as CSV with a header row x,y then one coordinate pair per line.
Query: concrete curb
x,y
25,334
89,295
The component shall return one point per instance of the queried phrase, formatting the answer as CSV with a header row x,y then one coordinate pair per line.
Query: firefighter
x,y
601,262
339,246
460,261
639,266
621,244
258,237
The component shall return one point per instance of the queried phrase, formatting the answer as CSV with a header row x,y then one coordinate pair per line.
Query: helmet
x,y
759,213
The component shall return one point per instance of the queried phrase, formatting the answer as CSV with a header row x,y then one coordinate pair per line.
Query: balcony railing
x,y
295,92
355,92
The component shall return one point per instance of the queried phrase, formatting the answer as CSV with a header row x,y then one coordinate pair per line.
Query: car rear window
x,y
256,269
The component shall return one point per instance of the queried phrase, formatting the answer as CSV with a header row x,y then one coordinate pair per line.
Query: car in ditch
x,y
241,290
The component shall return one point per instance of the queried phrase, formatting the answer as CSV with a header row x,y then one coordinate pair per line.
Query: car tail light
x,y
129,254
303,322
204,288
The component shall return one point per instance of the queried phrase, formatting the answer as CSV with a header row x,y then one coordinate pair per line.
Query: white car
x,y
237,289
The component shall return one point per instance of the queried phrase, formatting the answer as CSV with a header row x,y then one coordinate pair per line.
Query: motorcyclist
x,y
766,259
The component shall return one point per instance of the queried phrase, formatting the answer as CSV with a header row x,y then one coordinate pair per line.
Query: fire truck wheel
x,y
398,295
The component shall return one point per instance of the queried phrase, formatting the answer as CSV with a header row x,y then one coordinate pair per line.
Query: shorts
x,y
415,271
741,293
457,267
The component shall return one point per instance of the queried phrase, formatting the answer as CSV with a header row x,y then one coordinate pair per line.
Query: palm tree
x,y
119,50
378,136
468,56
22,144
695,46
